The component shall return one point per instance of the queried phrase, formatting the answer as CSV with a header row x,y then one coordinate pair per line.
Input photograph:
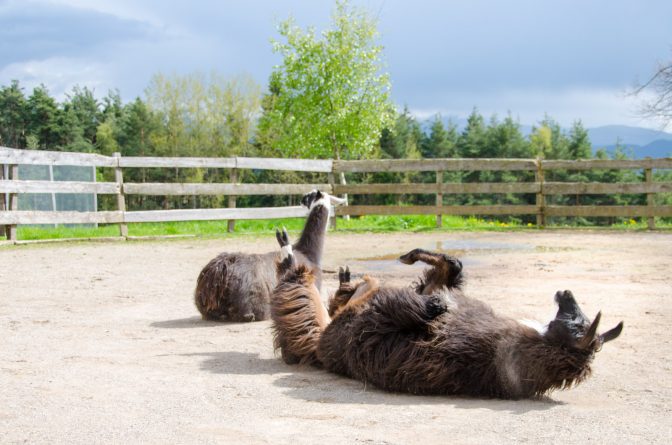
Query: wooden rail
x,y
11,185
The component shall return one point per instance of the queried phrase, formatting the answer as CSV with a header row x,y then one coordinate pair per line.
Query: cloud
x,y
59,74
571,59
594,107
42,30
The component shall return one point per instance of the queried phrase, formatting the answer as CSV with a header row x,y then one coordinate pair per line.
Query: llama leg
x,y
406,309
344,292
363,292
446,271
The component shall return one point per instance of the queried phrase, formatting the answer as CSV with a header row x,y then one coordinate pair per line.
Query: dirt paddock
x,y
101,343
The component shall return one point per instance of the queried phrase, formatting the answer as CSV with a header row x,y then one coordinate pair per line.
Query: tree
x,y
203,116
137,125
659,107
441,142
472,143
579,142
505,140
332,100
13,116
403,139
43,114
549,141
86,108
106,141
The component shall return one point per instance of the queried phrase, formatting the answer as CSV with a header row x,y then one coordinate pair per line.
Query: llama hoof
x,y
248,317
436,306
410,257
343,275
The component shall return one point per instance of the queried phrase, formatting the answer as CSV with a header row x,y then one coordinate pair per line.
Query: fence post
x,y
332,181
439,198
231,224
121,198
2,198
650,201
541,200
10,230
53,195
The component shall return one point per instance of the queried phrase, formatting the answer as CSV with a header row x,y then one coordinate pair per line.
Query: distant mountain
x,y
661,148
602,137
639,142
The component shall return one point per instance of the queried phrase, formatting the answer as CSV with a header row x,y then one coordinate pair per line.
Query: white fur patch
x,y
323,201
286,251
534,324
449,299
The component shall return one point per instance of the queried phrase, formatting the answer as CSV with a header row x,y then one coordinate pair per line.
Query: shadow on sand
x,y
316,385
188,323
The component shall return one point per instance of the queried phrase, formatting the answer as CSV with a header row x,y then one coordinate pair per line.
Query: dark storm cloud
x,y
571,58
30,31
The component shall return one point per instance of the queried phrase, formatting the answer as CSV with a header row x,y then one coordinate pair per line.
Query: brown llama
x,y
237,286
432,338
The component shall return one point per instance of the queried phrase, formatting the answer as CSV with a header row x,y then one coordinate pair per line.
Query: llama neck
x,y
311,242
529,365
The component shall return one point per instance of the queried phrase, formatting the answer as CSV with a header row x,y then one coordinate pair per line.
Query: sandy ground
x,y
101,343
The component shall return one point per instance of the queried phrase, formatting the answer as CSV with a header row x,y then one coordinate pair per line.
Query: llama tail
x,y
299,317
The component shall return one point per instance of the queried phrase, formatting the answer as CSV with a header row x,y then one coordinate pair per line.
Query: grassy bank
x,y
410,223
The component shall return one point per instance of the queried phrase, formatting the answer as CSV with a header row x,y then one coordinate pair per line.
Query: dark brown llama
x,y
431,338
237,286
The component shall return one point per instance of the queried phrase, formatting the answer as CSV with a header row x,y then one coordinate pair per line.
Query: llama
x,y
237,286
431,338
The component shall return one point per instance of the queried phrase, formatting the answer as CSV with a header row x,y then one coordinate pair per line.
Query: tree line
x,y
197,115
329,98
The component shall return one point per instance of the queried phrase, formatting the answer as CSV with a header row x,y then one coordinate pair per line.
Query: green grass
x,y
418,223
409,223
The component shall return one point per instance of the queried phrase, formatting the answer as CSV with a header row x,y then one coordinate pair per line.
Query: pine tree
x,y
472,143
441,142
579,146
13,111
43,117
86,108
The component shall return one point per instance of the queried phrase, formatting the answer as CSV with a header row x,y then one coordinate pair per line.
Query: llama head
x,y
571,327
316,197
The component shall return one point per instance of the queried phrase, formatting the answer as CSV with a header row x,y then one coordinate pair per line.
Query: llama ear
x,y
588,338
335,201
612,333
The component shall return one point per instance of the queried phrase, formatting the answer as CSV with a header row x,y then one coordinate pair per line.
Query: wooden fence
x,y
11,185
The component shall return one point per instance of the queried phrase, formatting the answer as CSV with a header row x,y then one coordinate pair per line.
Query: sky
x,y
568,59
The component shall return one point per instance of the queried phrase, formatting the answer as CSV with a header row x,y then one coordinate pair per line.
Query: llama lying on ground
x,y
430,339
237,286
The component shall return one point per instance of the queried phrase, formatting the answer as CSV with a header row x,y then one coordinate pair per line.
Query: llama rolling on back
x,y
237,286
433,339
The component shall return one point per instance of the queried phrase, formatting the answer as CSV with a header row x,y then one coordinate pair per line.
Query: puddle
x,y
480,246
465,250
